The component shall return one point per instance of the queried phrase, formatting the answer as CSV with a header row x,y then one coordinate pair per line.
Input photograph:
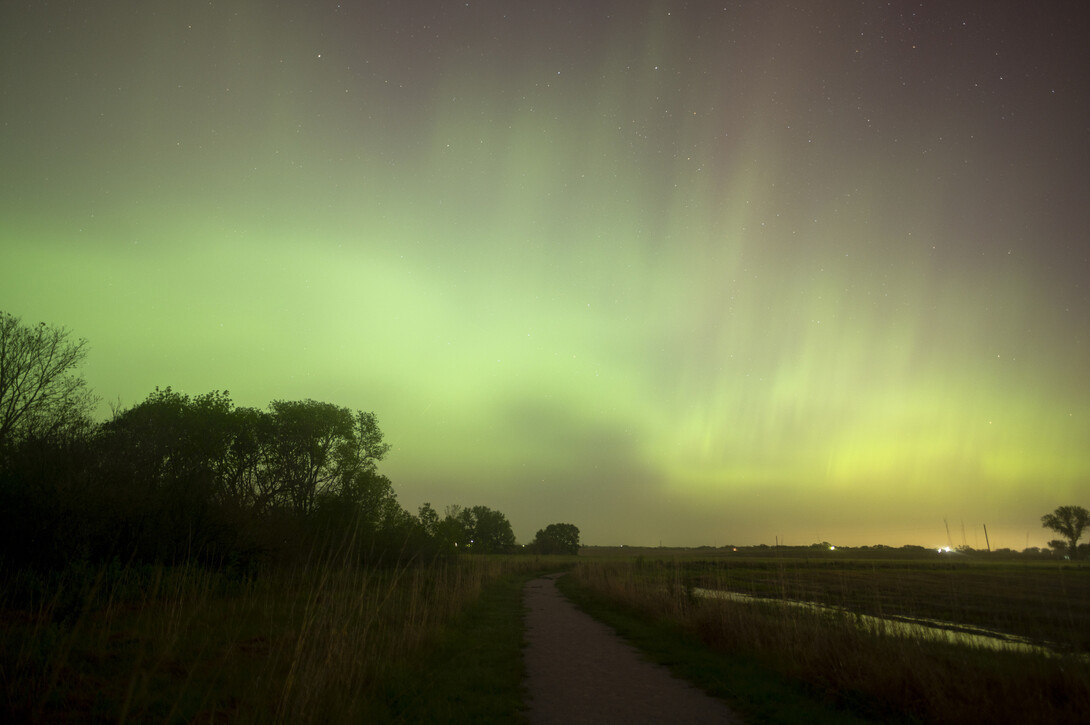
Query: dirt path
x,y
580,671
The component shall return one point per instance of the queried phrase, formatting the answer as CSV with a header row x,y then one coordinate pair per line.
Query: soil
x,y
580,671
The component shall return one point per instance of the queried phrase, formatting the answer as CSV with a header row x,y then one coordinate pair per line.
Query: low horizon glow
x,y
676,273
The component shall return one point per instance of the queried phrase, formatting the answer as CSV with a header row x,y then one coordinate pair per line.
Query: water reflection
x,y
919,628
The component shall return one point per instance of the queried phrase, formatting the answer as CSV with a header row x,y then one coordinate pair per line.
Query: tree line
x,y
179,477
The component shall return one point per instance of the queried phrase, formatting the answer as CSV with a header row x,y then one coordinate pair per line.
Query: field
x,y
835,656
440,641
321,643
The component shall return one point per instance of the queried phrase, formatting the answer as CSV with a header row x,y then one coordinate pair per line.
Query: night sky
x,y
675,272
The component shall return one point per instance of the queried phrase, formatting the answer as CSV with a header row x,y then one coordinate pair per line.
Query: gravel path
x,y
580,671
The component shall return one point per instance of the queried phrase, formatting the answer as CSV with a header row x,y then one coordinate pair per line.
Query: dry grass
x,y
855,667
156,644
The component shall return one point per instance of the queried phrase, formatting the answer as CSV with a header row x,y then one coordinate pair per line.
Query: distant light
x,y
832,548
944,549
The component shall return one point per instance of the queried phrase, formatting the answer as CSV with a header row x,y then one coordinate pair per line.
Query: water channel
x,y
920,628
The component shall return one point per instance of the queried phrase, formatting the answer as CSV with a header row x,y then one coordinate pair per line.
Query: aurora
x,y
679,273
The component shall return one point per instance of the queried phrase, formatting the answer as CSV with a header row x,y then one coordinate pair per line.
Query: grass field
x,y
441,641
321,643
855,669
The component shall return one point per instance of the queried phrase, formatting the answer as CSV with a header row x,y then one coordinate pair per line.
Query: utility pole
x,y
986,538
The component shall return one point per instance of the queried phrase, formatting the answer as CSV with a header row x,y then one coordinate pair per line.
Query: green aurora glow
x,y
672,272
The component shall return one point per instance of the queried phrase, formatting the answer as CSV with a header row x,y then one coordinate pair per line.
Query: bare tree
x,y
39,392
1069,522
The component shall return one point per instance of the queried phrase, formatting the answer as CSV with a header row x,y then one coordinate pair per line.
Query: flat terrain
x,y
1045,603
834,654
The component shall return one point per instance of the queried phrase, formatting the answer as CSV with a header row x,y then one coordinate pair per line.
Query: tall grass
x,y
859,668
184,644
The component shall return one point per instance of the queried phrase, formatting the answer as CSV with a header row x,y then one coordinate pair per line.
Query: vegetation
x,y
859,669
196,479
326,641
557,539
756,692
40,394
1069,522
477,529
475,672
189,559
177,479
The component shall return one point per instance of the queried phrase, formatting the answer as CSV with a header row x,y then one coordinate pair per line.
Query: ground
x,y
580,671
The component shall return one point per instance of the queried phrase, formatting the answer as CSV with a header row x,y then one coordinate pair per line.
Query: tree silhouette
x,y
557,539
39,394
198,473
429,520
320,448
1069,522
478,529
193,478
